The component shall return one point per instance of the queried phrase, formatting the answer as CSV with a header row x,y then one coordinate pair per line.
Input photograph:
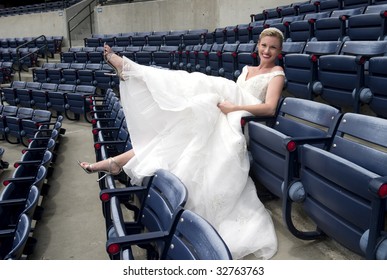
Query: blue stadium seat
x,y
301,68
296,119
157,38
9,94
228,61
8,111
194,37
125,39
341,77
70,75
78,102
16,243
40,96
202,58
165,56
13,124
214,59
344,192
246,55
334,27
160,200
30,126
24,95
145,56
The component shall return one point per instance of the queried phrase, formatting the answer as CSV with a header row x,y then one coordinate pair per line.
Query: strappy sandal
x,y
106,59
89,169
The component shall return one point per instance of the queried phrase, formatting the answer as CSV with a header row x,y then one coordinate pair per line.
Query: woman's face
x,y
269,47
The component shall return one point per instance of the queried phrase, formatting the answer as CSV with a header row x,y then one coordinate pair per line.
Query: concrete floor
x,y
72,226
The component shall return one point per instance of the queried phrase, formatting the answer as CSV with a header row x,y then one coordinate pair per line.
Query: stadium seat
x,y
17,243
296,119
165,56
24,95
228,61
160,200
40,96
13,126
78,102
334,27
301,68
341,77
214,59
344,192
371,25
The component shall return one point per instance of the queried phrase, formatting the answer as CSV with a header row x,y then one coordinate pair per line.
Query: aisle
x,y
72,227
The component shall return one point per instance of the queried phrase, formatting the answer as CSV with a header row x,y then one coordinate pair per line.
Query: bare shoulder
x,y
277,68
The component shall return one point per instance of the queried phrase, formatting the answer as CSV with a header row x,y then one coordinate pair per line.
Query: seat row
x,y
348,75
330,163
69,99
54,43
161,226
88,74
26,57
19,124
364,22
152,38
21,200
37,8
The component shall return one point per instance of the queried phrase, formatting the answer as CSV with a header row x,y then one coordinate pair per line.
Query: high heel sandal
x,y
116,72
89,169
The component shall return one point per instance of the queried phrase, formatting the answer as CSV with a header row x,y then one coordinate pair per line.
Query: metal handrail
x,y
45,46
91,11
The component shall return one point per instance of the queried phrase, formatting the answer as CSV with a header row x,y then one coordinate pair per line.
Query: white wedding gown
x,y
175,124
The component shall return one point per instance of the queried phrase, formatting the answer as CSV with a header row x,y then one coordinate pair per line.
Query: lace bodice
x,y
257,85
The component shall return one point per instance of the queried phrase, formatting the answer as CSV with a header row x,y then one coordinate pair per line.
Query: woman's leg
x,y
113,58
113,165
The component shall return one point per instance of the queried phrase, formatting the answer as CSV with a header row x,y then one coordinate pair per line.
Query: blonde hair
x,y
274,32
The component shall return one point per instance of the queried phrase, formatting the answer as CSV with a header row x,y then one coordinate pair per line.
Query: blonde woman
x,y
189,124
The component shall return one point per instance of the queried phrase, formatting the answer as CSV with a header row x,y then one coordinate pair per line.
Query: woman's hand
x,y
227,107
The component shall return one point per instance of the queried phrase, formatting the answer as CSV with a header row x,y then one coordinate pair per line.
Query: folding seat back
x,y
194,37
303,30
12,206
193,238
9,93
347,4
96,56
231,34
40,96
24,95
103,79
165,56
140,39
78,102
214,59
296,119
289,48
342,191
69,56
371,25
58,98
175,38
70,75
130,52
109,39
341,77
157,38
14,242
308,7
54,75
329,5
160,201
94,41
374,92
40,73
30,126
334,27
246,55
243,33
86,75
13,124
8,111
301,68
82,56
202,58
145,56
125,39
271,13
192,59
229,61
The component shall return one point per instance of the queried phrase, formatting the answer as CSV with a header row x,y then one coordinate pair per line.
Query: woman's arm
x,y
274,91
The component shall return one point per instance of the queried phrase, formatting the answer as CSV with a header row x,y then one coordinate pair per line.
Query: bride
x,y
189,124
